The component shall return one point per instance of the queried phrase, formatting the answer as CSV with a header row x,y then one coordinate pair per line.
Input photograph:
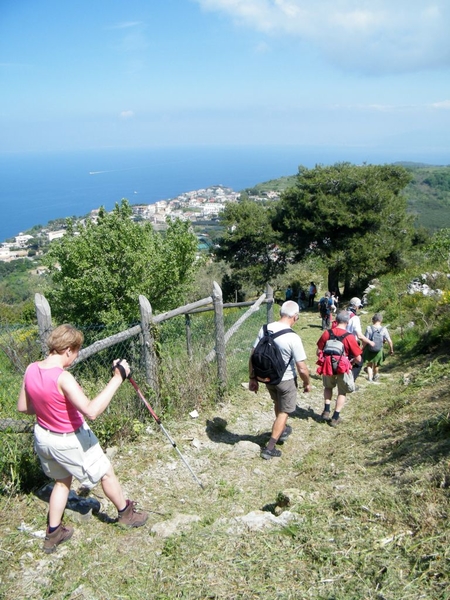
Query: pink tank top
x,y
53,410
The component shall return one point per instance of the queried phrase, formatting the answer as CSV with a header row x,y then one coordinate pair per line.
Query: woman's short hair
x,y
377,317
63,337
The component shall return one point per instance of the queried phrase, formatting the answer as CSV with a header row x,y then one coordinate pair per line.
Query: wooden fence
x,y
148,321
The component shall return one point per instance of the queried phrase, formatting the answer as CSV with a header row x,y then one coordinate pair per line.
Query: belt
x,y
61,432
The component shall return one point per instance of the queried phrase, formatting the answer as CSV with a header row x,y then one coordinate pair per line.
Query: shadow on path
x,y
216,430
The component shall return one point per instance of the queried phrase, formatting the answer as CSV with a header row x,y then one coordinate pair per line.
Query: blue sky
x,y
140,73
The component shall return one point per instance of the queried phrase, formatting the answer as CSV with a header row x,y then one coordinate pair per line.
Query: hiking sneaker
x,y
376,377
130,517
286,433
268,454
60,535
335,422
326,415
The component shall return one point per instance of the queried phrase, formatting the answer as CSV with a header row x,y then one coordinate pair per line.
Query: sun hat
x,y
355,302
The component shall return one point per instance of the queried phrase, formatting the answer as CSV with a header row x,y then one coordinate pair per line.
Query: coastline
x,y
38,188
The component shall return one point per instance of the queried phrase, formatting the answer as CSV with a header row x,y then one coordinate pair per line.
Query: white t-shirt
x,y
354,326
291,347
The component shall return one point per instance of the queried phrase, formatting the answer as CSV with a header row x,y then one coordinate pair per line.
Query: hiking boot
x,y
268,454
376,377
335,422
60,535
130,517
326,415
286,433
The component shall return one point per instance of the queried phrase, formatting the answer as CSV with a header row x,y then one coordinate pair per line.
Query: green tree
x,y
249,244
439,247
99,272
354,217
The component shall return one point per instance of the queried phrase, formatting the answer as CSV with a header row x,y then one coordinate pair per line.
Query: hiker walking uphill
x,y
276,355
338,351
373,356
65,444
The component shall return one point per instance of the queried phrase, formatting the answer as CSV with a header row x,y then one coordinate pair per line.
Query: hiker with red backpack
x,y
276,357
373,356
337,351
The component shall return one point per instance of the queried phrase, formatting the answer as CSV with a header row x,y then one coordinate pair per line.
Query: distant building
x,y
5,253
212,209
54,235
22,240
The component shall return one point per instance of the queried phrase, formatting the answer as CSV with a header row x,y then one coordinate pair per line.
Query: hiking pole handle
x,y
118,365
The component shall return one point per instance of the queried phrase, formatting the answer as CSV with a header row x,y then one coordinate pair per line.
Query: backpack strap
x,y
332,335
341,337
276,334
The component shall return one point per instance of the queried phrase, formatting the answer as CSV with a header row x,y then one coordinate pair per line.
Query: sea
x,y
36,188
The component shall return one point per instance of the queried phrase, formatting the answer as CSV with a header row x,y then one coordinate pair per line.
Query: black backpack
x,y
267,360
324,304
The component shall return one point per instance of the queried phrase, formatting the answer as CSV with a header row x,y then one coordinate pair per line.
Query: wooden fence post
x,y
187,320
220,336
269,298
44,319
148,346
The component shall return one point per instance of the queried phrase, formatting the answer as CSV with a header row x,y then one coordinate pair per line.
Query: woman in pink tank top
x,y
65,444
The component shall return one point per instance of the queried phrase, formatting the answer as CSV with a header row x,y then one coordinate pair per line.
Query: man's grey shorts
x,y
285,394
331,381
78,454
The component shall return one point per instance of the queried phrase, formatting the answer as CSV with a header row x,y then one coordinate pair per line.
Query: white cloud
x,y
126,25
126,114
445,104
375,36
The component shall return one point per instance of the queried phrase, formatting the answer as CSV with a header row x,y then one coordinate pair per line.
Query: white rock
x,y
178,524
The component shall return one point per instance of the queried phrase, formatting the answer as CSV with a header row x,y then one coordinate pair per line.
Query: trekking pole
x,y
158,420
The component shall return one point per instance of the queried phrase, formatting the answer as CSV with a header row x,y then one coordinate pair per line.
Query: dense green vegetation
x,y
99,270
427,194
353,218
249,244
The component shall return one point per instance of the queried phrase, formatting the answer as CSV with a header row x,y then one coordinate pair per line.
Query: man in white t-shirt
x,y
354,327
284,395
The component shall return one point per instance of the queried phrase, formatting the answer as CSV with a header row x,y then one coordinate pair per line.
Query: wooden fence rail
x,y
144,330
147,342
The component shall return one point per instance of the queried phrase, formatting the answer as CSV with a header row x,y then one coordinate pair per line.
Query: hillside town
x,y
196,206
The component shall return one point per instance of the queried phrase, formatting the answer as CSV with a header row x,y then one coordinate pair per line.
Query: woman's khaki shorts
x,y
78,454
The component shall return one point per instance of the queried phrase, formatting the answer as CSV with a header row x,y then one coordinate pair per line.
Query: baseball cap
x,y
355,302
